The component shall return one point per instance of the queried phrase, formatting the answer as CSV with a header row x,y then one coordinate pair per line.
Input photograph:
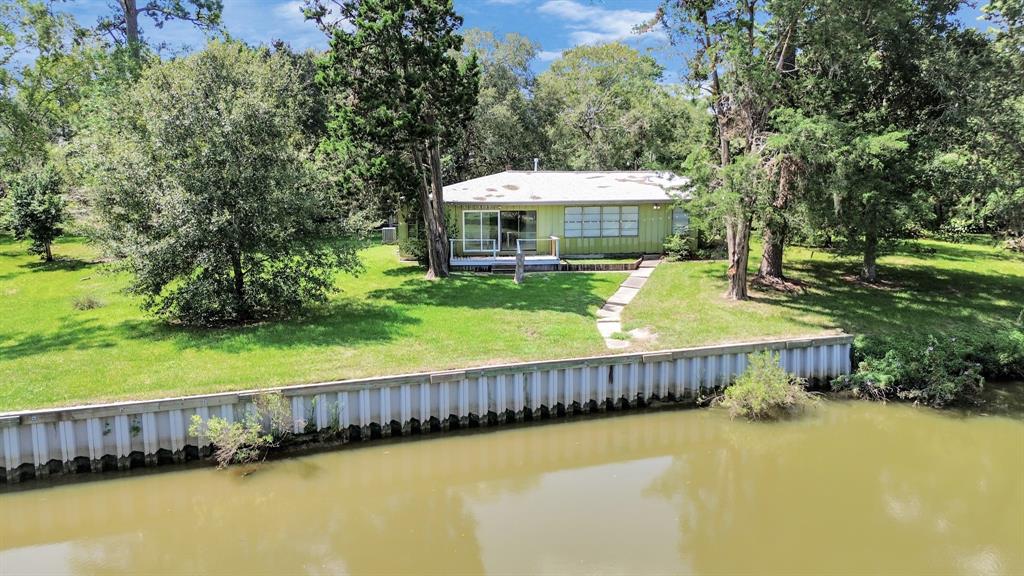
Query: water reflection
x,y
852,488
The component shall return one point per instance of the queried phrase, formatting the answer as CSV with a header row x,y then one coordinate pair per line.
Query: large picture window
x,y
601,221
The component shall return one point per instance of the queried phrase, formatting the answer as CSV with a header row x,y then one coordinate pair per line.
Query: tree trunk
x,y
432,208
437,180
48,251
131,26
771,256
239,288
739,254
869,271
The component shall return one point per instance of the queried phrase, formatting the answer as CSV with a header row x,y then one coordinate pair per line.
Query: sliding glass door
x,y
479,230
518,225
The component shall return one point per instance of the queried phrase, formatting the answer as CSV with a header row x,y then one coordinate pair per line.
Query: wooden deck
x,y
489,260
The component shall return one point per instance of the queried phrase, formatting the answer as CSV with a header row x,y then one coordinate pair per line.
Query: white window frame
x,y
479,237
575,231
576,224
591,227
634,230
611,221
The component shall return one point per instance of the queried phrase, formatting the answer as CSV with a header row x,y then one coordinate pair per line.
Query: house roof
x,y
544,187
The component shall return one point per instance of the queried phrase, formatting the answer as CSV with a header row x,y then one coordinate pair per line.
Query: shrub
x,y
248,439
678,247
413,247
765,390
935,370
87,302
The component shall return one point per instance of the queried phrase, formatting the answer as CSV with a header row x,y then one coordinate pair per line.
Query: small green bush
x,y
245,440
414,248
765,391
86,302
678,247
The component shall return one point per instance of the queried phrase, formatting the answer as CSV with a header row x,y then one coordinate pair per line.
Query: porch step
x,y
503,269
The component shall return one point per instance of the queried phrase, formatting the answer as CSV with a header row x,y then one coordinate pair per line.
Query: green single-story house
x,y
552,215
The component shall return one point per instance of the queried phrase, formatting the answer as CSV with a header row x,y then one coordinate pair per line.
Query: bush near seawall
x,y
933,369
765,391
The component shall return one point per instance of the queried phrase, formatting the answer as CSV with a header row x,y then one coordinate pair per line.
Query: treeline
x,y
223,179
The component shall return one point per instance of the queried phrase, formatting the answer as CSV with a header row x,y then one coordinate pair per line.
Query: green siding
x,y
654,226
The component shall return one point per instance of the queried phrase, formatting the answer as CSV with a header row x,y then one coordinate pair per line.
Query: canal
x,y
854,487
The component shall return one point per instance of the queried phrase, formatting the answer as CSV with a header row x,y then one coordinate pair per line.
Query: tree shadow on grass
x,y
72,334
568,293
918,299
348,322
59,264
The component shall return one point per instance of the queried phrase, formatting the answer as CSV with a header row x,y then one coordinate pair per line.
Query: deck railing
x,y
490,247
549,245
473,246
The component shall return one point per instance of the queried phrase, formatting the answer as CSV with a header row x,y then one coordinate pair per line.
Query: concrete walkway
x,y
609,317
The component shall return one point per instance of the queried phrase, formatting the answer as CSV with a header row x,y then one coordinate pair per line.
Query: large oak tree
x,y
202,180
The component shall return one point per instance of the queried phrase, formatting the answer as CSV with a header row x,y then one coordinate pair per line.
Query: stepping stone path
x,y
609,317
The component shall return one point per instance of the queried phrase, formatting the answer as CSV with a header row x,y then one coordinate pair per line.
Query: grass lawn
x,y
926,286
386,321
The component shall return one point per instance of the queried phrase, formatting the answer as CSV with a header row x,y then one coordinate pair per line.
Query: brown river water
x,y
851,488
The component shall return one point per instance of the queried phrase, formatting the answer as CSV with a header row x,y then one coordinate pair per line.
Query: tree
x,y
740,64
37,209
123,25
204,188
46,60
399,93
505,132
870,68
604,109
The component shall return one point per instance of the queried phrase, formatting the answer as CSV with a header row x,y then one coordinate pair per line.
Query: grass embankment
x,y
385,321
388,320
926,286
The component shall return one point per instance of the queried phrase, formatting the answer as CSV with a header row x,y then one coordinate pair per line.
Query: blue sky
x,y
555,24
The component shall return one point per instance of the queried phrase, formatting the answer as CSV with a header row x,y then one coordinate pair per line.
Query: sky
x,y
555,24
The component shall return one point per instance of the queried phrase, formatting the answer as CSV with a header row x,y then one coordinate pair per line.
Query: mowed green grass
x,y
387,320
926,286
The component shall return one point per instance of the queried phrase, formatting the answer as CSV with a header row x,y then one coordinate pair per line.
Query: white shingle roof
x,y
523,187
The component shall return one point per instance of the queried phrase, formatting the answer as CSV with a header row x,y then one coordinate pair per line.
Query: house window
x,y
630,222
680,221
591,221
573,222
598,221
479,230
610,221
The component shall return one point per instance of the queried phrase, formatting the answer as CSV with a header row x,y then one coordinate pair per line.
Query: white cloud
x,y
549,55
595,25
290,13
